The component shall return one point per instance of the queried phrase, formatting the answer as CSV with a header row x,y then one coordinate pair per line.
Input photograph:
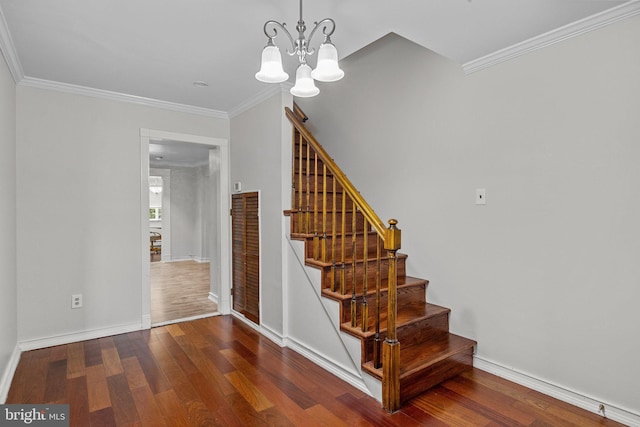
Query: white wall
x,y
545,276
8,274
186,219
256,162
77,157
155,200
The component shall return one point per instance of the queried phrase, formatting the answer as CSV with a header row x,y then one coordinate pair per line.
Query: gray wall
x,y
188,204
8,275
79,157
545,276
256,162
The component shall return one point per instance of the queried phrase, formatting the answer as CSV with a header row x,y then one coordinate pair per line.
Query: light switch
x,y
481,196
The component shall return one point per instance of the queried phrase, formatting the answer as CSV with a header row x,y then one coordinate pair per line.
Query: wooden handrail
x,y
388,356
366,210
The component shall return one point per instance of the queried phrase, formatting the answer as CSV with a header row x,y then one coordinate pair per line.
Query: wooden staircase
x,y
361,269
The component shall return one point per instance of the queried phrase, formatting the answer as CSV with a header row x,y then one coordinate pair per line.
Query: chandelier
x,y
327,69
155,184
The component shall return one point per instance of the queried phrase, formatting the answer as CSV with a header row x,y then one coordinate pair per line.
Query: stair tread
x,y
419,356
413,312
348,235
403,282
320,264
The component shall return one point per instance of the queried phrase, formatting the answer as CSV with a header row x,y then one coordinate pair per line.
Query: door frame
x,y
223,272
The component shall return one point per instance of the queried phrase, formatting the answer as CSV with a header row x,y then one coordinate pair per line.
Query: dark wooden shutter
x,y
246,255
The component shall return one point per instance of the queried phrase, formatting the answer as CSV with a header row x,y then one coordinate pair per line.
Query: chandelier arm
x,y
326,33
274,27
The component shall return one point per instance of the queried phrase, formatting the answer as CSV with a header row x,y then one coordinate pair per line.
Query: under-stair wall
x,y
313,324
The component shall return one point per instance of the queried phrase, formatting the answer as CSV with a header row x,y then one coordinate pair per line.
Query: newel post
x,y
391,346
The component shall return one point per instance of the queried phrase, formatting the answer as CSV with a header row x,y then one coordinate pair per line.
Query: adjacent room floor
x,y
180,290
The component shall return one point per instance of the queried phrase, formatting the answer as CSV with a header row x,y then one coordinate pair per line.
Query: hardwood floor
x,y
180,290
217,371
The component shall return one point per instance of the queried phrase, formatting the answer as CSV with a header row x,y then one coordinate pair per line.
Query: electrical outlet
x,y
76,301
481,196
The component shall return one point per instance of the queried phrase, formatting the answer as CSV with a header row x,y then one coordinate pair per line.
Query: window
x,y
155,214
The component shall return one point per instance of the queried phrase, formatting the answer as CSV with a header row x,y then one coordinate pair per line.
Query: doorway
x,y
212,250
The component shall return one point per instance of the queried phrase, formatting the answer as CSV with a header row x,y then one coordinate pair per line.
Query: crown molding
x,y
121,97
599,20
8,50
262,96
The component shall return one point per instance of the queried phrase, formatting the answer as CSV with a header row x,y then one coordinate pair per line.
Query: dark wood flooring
x,y
219,372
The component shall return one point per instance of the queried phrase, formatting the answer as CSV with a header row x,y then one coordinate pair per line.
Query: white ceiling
x,y
156,49
167,153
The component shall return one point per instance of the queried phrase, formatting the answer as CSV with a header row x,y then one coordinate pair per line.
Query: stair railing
x,y
311,207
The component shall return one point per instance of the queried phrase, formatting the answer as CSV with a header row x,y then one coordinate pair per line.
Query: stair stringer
x,y
337,351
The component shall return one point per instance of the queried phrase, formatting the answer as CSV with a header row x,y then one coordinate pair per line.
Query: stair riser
x,y
413,385
327,275
423,330
406,295
348,253
311,168
299,221
410,334
309,184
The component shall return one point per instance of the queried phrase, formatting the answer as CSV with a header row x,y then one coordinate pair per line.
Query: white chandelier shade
x,y
305,86
327,68
271,69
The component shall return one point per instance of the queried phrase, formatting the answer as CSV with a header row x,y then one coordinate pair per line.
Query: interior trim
x,y
8,50
267,93
121,97
594,22
7,376
71,337
574,398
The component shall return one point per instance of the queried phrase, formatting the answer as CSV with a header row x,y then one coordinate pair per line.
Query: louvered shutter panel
x,y
246,255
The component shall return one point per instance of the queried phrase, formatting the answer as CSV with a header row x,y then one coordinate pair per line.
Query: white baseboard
x,y
78,336
146,321
213,297
190,258
261,329
185,319
7,375
328,365
272,335
587,403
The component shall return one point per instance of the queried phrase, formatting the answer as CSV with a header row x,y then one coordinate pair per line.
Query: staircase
x,y
406,342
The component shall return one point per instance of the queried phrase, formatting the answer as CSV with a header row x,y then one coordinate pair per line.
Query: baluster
x,y
307,224
293,180
354,302
300,174
377,362
343,279
334,277
324,213
365,306
316,237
